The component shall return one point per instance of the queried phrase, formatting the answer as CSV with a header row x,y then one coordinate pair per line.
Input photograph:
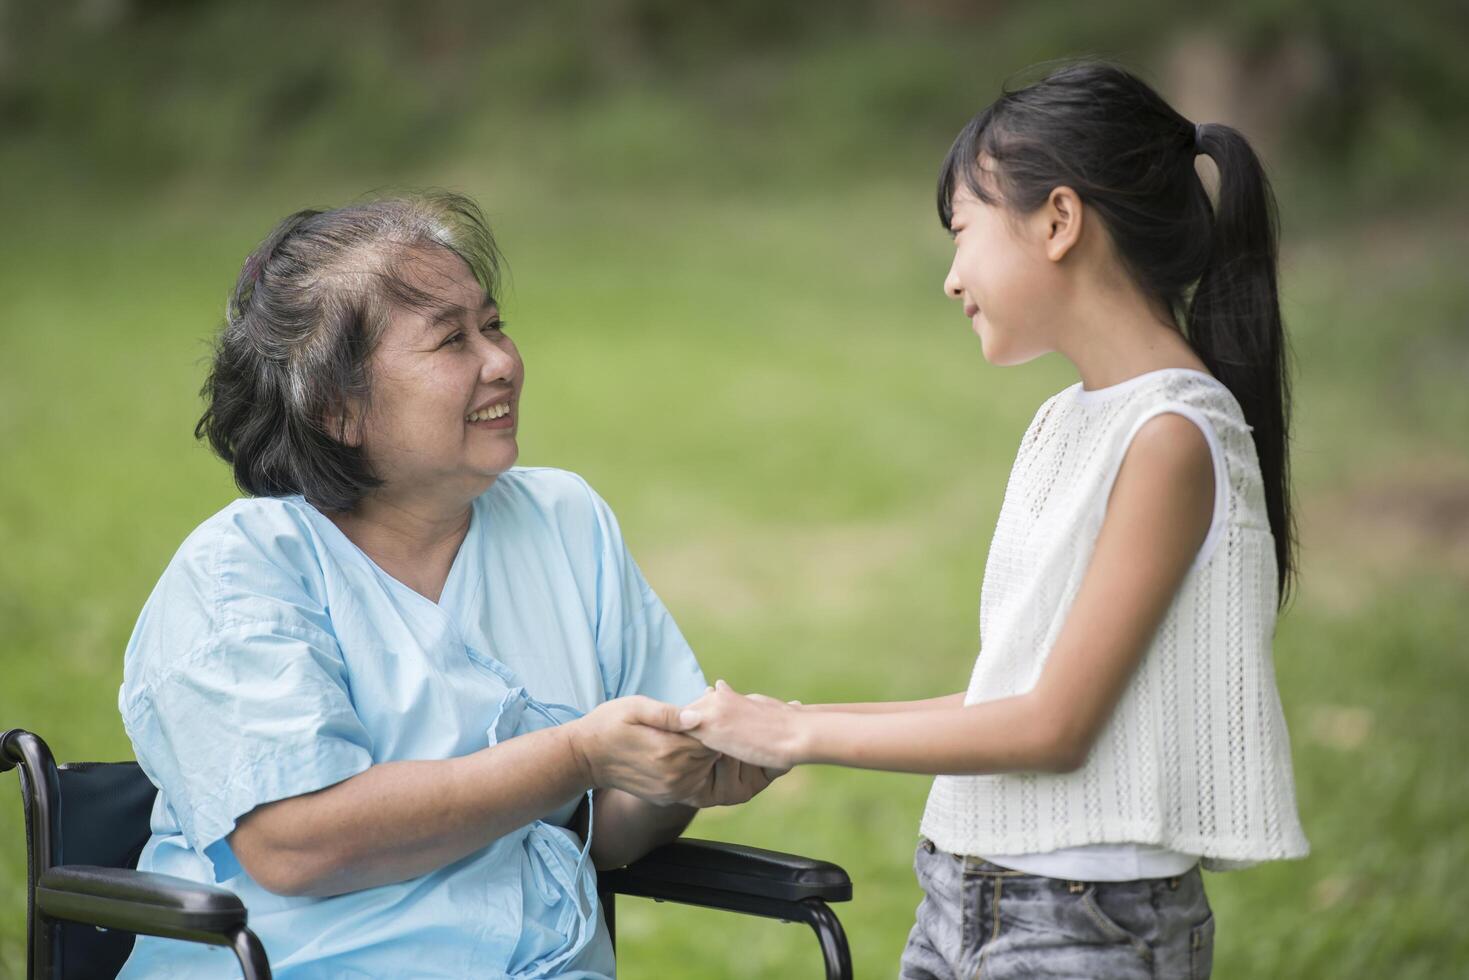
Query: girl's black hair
x,y
1103,132
300,328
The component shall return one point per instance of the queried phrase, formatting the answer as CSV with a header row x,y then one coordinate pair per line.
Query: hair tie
x,y
1199,136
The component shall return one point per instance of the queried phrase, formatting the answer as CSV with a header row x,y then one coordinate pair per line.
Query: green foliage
x,y
130,93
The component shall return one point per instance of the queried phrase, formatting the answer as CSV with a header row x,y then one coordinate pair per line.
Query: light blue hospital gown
x,y
274,658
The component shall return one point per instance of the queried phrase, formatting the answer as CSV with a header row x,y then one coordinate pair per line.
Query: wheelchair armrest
x,y
730,868
141,902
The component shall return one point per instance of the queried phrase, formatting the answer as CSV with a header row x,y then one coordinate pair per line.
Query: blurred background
x,y
720,227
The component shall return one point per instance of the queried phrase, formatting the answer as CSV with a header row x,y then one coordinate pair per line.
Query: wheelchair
x,y
86,823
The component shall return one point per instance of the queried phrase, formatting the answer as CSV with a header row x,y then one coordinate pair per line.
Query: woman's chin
x,y
492,464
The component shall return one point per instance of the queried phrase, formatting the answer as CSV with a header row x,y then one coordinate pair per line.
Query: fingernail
x,y
689,718
720,684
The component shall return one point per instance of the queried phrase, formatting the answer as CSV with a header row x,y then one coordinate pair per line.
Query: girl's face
x,y
445,403
1002,275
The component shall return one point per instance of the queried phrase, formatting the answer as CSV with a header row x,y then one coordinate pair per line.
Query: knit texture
x,y
1196,756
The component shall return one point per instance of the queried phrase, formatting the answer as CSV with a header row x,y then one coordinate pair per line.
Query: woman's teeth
x,y
485,414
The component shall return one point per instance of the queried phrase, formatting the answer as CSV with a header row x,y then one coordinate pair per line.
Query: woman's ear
x,y
343,422
1063,216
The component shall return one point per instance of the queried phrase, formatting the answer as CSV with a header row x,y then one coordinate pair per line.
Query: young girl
x,y
1121,726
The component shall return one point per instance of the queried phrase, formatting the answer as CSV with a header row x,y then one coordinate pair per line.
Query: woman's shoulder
x,y
547,499
542,488
242,565
251,550
275,531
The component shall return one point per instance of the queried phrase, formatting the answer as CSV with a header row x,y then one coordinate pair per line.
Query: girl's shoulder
x,y
1150,391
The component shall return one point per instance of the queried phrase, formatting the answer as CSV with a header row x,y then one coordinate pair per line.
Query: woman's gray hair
x,y
300,327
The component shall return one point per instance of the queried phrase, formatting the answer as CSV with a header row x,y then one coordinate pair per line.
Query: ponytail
x,y
1234,324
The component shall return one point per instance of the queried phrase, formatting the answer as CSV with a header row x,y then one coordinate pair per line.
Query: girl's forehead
x,y
966,200
985,172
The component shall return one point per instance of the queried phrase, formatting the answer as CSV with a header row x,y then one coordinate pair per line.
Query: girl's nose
x,y
952,289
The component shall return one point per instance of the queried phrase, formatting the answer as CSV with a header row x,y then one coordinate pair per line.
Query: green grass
x,y
807,453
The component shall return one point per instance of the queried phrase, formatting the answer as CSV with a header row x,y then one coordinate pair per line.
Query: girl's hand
x,y
760,732
777,702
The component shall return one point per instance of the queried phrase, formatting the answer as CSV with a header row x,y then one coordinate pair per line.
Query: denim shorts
x,y
979,920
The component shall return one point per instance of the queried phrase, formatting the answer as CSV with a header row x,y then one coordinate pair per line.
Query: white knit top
x,y
1196,757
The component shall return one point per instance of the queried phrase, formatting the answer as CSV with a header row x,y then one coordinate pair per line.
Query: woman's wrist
x,y
575,737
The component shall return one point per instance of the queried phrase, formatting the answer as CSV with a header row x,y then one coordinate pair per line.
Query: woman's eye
x,y
494,326
453,340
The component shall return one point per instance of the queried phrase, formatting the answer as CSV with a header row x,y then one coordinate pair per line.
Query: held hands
x,y
637,745
664,755
761,731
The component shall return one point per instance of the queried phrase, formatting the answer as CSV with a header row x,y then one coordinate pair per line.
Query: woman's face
x,y
445,404
1001,275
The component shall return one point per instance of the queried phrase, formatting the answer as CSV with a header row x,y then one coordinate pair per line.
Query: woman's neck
x,y
413,541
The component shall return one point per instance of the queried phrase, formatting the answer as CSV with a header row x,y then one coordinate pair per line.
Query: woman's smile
x,y
496,414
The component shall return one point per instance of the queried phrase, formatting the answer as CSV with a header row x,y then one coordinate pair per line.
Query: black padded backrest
x,y
105,808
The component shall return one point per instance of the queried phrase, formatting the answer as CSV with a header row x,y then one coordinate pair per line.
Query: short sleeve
x,y
639,645
256,709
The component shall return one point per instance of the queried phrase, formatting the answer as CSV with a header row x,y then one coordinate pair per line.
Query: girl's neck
x,y
1114,335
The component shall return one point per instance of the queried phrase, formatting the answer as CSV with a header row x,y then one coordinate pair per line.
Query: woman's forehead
x,y
439,272
433,286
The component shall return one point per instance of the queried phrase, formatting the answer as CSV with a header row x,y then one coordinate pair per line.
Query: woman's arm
x,y
626,827
1157,518
398,820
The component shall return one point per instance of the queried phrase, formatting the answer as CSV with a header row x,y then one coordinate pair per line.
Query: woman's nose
x,y
498,364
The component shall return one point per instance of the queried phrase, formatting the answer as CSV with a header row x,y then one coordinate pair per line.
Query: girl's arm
x,y
889,707
1157,518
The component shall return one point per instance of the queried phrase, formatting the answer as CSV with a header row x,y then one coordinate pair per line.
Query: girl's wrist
x,y
801,738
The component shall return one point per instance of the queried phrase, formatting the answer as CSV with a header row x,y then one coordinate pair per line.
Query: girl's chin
x,y
1000,355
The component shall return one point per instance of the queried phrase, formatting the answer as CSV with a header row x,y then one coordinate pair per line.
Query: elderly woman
x,y
404,695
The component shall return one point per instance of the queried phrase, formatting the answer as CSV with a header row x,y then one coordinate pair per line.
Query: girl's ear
x,y
1063,215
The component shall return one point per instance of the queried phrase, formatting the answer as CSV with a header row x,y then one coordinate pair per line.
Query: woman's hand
x,y
732,782
637,745
758,730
